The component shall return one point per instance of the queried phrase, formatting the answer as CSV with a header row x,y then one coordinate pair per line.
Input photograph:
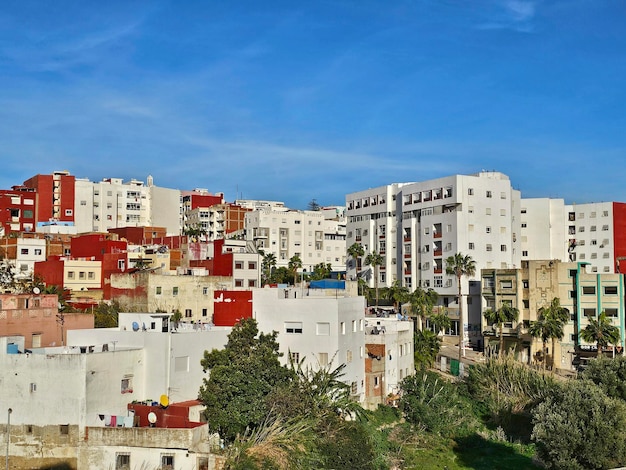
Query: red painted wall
x,y
175,415
139,235
26,212
619,234
231,306
51,271
203,200
44,185
96,245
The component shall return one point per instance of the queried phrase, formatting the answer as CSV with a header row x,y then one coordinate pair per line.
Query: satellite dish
x,y
164,401
152,417
36,290
135,326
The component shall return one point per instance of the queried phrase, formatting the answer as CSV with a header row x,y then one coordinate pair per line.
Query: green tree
x,y
106,314
313,205
397,293
295,263
321,271
440,321
460,265
422,302
427,346
600,331
195,232
240,377
375,260
608,374
540,328
578,427
506,313
267,267
355,251
556,318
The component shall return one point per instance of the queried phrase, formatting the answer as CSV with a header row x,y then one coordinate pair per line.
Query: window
x,y
605,228
376,382
611,312
127,385
502,195
68,212
589,312
24,251
64,429
238,282
205,291
526,303
503,212
343,328
37,251
524,252
293,327
593,228
251,282
322,329
353,388
167,462
502,247
581,229
70,274
238,264
506,284
610,290
589,290
524,225
488,194
121,264
204,312
488,211
175,290
158,290
91,275
488,247
295,357
322,358
605,213
525,283
470,191
487,229
353,326
188,313
348,356
251,265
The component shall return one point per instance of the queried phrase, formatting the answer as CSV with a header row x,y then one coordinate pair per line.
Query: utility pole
x,y
8,434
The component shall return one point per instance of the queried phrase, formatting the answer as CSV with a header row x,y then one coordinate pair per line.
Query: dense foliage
x,y
579,427
609,374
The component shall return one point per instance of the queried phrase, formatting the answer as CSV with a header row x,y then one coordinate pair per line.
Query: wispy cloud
x,y
516,15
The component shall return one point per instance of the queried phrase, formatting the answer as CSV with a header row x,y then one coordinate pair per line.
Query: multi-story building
x,y
308,234
55,197
533,286
597,235
17,210
416,226
544,229
23,252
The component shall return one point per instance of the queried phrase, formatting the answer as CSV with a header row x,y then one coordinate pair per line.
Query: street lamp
x,y
8,434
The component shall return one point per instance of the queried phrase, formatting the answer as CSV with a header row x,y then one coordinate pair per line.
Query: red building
x,y
17,210
619,236
231,306
55,196
105,248
140,235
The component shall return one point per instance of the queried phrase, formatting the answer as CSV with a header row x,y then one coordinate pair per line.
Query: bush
x,y
433,403
509,390
579,427
609,375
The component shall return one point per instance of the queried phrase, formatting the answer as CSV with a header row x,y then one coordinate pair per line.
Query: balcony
x,y
438,270
407,239
437,235
438,252
407,272
407,255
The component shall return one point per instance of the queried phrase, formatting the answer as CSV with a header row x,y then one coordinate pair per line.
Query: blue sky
x,y
295,100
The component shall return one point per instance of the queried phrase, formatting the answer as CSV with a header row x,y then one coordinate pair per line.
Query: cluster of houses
x,y
187,265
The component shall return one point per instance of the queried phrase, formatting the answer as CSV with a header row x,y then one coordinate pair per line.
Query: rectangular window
x,y
238,264
181,364
322,359
91,275
354,326
70,274
205,291
610,290
487,229
175,290
293,327
121,264
322,329
251,265
127,385
122,461
589,290
24,251
348,356
238,282
158,290
188,313
470,191
295,357
611,312
488,247
64,429
204,312
589,312
488,211
506,284
353,388
167,462
343,328
488,194
502,247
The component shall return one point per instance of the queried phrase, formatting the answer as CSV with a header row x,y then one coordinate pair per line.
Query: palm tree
x,y
427,346
601,332
440,321
374,259
422,303
540,329
506,313
556,319
459,265
355,251
269,262
398,293
295,263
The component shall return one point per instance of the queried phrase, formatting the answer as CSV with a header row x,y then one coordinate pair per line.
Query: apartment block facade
x,y
533,286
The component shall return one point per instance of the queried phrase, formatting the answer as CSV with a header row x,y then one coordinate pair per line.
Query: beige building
x,y
584,294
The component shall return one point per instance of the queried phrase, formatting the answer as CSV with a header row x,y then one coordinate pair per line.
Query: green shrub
x,y
579,427
434,404
609,375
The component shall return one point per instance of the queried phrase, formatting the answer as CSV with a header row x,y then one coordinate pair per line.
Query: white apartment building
x,y
416,226
113,203
596,235
543,232
308,234
28,251
318,328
